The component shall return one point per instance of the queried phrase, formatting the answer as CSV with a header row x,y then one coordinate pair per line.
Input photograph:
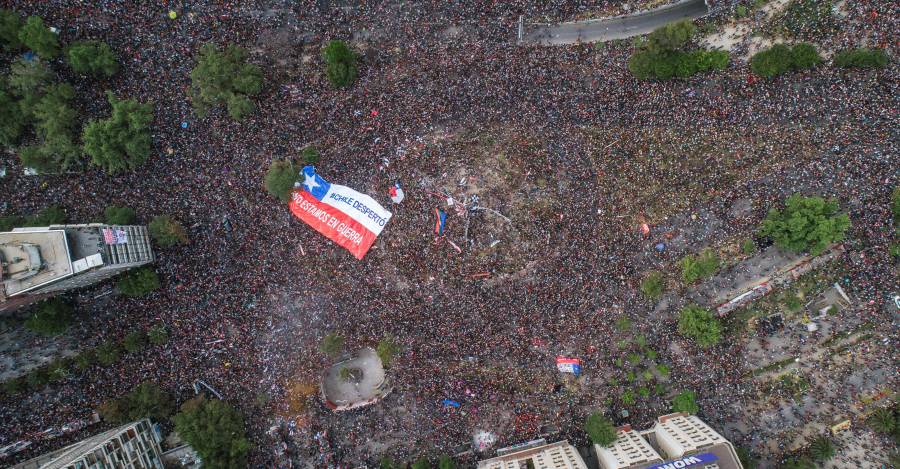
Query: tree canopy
x,y
12,121
138,282
146,400
51,317
703,265
780,59
700,324
672,36
166,231
39,38
822,448
861,58
806,224
280,178
215,430
10,24
224,78
116,215
340,64
662,56
92,58
652,285
55,122
122,141
332,344
387,349
600,429
685,401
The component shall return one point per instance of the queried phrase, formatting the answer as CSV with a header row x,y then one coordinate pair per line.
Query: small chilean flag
x,y
568,365
351,219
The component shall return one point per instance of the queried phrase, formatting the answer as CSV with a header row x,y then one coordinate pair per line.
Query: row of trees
x,y
662,57
105,354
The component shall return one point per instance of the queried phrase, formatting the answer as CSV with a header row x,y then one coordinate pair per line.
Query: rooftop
x,y
32,257
559,455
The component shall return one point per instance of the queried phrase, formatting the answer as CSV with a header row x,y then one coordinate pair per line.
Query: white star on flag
x,y
310,182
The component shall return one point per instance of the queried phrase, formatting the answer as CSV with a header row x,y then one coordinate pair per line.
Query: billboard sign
x,y
687,461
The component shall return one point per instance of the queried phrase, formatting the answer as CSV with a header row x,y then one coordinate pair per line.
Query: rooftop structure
x,y
676,441
132,446
559,455
35,262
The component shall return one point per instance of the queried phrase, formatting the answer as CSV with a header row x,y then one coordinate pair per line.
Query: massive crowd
x,y
488,343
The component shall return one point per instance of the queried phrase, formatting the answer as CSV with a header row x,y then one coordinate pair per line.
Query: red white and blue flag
x,y
351,219
569,365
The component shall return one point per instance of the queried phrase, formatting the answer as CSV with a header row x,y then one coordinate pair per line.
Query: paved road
x,y
615,28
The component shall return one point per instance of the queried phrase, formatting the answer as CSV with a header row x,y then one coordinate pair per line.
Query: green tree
x,y
822,448
310,155
421,463
58,370
108,353
884,420
54,124
147,400
10,24
332,344
28,79
12,120
166,231
641,64
387,349
672,36
446,462
685,401
52,215
652,285
158,334
806,224
748,247
861,58
123,141
85,359
280,179
51,317
773,61
895,204
388,463
39,38
340,64
37,378
113,411
92,58
224,78
600,429
798,462
138,282
700,325
805,56
747,459
702,266
135,341
215,430
116,215
14,385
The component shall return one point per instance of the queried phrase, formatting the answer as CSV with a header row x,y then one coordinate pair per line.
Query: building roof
x,y
630,449
44,249
559,455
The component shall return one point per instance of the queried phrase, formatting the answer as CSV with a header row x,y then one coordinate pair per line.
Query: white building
x,y
675,441
131,446
538,455
37,262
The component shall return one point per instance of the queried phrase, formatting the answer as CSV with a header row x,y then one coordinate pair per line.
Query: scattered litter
x,y
495,242
184,124
660,247
450,403
455,246
172,14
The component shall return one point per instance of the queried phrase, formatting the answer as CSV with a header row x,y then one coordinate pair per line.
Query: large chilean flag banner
x,y
349,218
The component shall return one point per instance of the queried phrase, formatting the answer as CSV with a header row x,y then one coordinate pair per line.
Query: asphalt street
x,y
620,27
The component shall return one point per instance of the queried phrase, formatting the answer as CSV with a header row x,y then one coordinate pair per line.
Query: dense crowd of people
x,y
247,307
